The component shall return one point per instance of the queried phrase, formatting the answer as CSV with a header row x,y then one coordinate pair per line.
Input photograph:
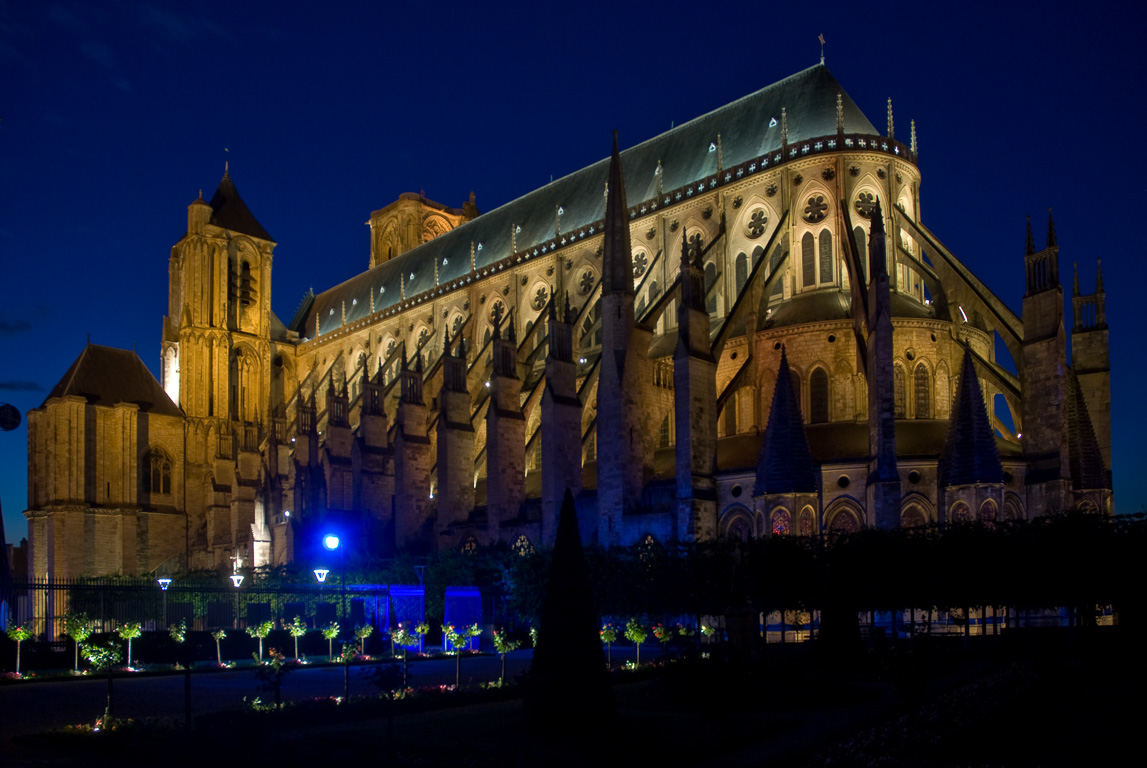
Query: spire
x,y
1030,248
1099,276
226,169
891,125
230,212
1075,279
912,147
878,233
569,312
616,261
553,310
785,465
970,454
1050,230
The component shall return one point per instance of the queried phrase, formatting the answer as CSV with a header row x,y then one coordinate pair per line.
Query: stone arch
x,y
900,390
737,524
916,510
959,512
806,521
819,394
844,515
780,522
843,396
988,512
942,401
922,398
1013,507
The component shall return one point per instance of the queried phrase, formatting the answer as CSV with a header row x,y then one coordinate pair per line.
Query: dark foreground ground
x,y
1046,698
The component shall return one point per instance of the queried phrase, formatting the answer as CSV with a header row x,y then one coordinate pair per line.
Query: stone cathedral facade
x,y
738,328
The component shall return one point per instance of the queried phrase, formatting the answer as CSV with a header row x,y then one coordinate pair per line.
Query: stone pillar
x,y
561,422
505,435
455,443
411,463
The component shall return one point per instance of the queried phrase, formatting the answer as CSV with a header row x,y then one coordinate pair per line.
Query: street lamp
x,y
236,580
331,542
321,574
163,585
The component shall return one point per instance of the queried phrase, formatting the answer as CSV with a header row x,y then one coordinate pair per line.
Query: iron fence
x,y
205,604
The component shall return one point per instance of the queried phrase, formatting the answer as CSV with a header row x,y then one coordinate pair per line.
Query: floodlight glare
x,y
330,541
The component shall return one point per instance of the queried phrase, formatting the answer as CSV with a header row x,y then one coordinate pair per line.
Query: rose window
x,y
816,209
585,284
865,204
539,298
640,264
758,221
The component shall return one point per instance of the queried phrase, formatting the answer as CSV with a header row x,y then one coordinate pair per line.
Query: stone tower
x,y
1091,362
1043,377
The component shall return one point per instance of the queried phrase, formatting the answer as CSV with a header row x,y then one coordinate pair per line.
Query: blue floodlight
x,y
330,541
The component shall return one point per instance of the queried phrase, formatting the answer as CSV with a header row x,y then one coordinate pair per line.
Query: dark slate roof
x,y
809,98
230,212
828,305
970,455
1085,460
785,465
106,376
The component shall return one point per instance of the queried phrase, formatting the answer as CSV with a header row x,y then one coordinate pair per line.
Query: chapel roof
x,y
748,127
970,455
107,376
785,465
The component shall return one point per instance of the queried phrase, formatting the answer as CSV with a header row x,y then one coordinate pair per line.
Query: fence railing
x,y
204,604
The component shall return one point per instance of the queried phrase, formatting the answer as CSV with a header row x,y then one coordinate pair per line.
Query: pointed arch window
x,y
742,271
923,392
808,260
159,472
782,523
710,279
774,262
898,391
818,396
861,239
826,271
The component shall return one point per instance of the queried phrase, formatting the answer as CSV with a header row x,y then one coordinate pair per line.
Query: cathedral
x,y
739,328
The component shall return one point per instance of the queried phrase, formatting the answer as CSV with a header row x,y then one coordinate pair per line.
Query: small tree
x,y
18,634
330,632
129,632
260,631
79,628
533,637
362,632
103,658
297,628
178,632
421,629
609,637
663,634
458,641
636,634
708,631
404,639
503,645
218,634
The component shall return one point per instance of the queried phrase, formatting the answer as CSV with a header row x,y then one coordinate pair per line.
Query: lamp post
x,y
163,585
331,542
236,581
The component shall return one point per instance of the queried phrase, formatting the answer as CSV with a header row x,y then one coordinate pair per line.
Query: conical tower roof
x,y
230,212
1084,457
970,453
785,464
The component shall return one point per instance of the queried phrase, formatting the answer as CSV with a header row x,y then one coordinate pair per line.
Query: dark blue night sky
x,y
114,115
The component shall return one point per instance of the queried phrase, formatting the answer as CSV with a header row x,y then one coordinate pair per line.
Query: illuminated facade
x,y
738,328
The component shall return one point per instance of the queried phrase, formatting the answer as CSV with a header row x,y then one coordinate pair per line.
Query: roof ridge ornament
x,y
821,38
912,140
1051,239
784,126
839,113
891,125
